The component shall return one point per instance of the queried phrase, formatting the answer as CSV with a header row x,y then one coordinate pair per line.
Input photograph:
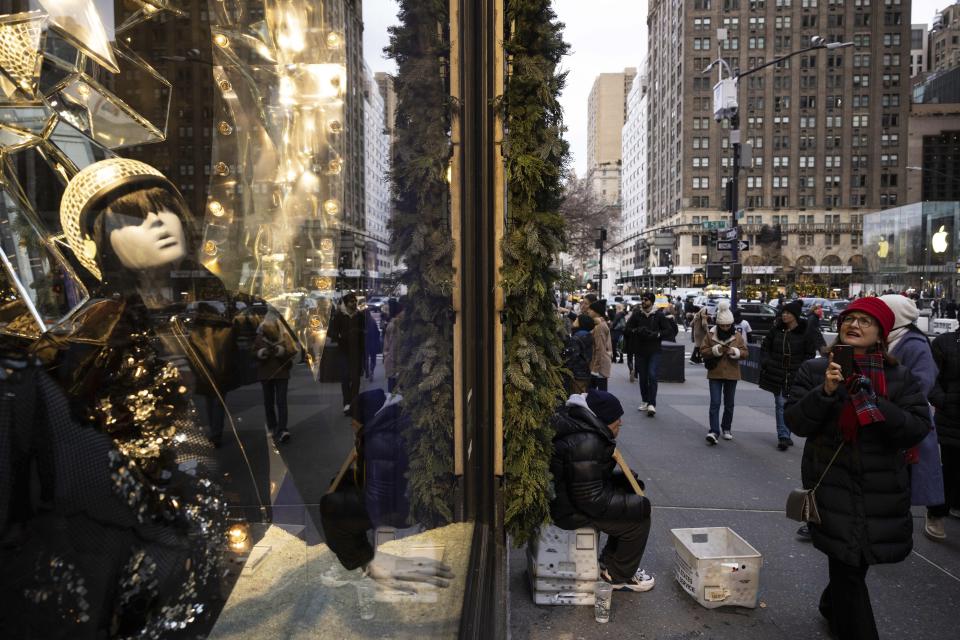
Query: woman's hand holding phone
x,y
834,377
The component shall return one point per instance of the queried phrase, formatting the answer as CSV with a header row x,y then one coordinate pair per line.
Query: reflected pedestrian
x,y
391,342
372,343
347,330
275,352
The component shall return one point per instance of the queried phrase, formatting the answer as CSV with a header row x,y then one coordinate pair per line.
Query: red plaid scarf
x,y
867,383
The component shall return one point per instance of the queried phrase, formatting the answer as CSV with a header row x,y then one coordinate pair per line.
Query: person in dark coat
x,y
945,396
648,326
578,353
863,424
275,353
347,329
787,346
617,324
373,343
911,348
589,492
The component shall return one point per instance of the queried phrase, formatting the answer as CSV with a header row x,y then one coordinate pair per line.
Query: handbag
x,y
802,503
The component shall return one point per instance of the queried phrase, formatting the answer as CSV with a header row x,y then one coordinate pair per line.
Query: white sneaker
x,y
711,438
639,582
651,410
643,406
727,435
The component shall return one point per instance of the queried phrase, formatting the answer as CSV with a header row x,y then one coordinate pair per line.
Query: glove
x,y
734,353
280,351
262,353
717,350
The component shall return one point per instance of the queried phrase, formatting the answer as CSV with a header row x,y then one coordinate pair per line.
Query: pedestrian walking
x,y
578,354
785,347
600,363
742,326
275,353
391,342
649,326
347,330
373,343
722,350
856,430
700,325
813,328
952,309
945,396
617,326
589,493
911,348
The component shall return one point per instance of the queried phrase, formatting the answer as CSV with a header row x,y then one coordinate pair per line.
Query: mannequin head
x,y
143,230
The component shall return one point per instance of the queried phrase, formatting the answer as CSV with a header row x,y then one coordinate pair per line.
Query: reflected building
x,y
377,263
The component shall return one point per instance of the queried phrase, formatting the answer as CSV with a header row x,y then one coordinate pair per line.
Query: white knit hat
x,y
724,315
904,309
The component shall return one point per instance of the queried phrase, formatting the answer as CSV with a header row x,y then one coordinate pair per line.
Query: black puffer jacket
x,y
864,499
782,354
644,333
586,487
945,395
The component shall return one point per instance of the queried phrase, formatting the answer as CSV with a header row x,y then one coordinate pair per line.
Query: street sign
x,y
729,234
727,245
714,224
605,276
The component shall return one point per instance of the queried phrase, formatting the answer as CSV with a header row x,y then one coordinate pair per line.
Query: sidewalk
x,y
742,484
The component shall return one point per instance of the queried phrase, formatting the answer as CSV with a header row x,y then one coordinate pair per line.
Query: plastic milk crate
x,y
562,566
717,567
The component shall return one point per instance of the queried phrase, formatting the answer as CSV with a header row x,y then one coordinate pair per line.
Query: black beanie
x,y
795,307
599,307
604,405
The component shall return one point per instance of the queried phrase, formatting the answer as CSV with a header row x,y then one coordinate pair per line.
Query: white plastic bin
x,y
562,566
717,567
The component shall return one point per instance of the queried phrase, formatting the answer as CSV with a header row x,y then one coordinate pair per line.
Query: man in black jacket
x,y
646,327
787,346
588,492
348,330
945,396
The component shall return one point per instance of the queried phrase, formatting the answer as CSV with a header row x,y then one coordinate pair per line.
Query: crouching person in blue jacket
x,y
591,492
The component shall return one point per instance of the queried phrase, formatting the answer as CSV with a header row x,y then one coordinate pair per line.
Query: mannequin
x,y
148,536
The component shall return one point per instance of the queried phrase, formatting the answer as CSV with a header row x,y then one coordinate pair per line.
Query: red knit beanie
x,y
876,309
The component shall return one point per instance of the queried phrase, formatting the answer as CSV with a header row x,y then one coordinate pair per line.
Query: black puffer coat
x,y
586,487
782,353
945,395
864,499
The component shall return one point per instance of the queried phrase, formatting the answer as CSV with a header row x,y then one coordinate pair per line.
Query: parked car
x,y
760,316
831,313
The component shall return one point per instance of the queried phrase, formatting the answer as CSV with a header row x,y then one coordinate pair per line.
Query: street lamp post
x,y
726,105
598,243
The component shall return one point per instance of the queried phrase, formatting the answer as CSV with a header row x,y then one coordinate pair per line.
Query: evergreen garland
x,y
420,238
536,156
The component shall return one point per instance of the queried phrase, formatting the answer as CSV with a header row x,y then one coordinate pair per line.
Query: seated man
x,y
591,492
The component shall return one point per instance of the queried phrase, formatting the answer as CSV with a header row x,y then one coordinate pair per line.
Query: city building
x,y
607,110
377,262
634,181
828,132
913,247
943,43
933,146
918,49
389,96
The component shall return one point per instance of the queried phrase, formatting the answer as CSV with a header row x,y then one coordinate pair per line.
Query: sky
x,y
605,36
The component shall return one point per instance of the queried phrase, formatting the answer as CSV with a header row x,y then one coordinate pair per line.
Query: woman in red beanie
x,y
864,423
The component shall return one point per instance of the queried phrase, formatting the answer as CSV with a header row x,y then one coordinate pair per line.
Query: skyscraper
x,y
634,169
607,111
827,128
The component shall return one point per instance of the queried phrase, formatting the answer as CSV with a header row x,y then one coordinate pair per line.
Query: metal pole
x,y
600,283
734,197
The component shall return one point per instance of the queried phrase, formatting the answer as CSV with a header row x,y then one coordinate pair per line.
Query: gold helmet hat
x,y
86,193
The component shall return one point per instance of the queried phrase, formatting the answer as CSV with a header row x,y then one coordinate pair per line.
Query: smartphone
x,y
843,355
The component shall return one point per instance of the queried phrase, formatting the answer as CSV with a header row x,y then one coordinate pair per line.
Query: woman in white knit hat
x,y
723,348
912,348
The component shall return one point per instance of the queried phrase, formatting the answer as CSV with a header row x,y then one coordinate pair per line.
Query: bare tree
x,y
583,212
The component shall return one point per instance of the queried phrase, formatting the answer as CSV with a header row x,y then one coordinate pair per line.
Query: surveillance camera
x,y
818,41
718,116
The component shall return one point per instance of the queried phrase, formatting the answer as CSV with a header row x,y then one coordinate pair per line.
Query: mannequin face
x,y
147,243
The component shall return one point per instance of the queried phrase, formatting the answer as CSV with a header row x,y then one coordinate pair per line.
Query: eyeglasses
x,y
862,321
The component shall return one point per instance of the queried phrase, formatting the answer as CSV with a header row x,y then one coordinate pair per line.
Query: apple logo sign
x,y
940,240
883,247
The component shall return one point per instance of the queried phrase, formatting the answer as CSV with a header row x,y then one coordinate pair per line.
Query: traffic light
x,y
714,272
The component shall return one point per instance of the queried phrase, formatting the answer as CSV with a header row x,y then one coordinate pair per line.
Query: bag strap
x,y
823,475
